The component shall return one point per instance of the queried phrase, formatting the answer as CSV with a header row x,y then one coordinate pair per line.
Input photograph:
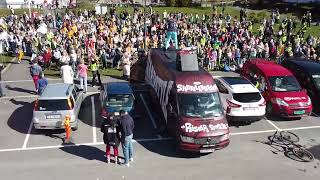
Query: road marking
x,y
18,97
30,80
35,96
24,146
148,140
149,114
301,128
94,129
252,132
272,124
315,114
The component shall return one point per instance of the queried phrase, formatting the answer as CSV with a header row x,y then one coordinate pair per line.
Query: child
x,y
19,54
111,136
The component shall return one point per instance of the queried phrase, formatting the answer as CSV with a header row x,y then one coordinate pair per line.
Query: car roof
x,y
270,68
239,84
118,88
56,91
307,65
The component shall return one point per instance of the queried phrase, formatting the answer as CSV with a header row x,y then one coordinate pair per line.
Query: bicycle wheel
x,y
289,137
303,154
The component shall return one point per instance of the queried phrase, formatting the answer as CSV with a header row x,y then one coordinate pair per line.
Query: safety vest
x,y
94,67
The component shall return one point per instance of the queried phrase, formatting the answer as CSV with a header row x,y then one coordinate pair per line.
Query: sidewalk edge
x,y
8,66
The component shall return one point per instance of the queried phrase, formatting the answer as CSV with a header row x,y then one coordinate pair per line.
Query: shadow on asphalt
x,y
21,118
85,113
168,148
18,89
83,151
315,150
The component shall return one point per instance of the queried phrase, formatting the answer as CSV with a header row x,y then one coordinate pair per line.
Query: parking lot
x,y
42,154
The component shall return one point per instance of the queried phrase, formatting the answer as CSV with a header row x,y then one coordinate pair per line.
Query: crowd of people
x,y
75,43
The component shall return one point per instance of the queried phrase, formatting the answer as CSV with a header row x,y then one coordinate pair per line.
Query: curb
x,y
8,66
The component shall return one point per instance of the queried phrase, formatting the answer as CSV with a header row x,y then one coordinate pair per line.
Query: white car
x,y
241,100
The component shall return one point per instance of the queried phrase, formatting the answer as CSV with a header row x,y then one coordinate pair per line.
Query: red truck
x,y
188,100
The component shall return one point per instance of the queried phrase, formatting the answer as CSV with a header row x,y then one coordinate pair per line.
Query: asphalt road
x,y
29,154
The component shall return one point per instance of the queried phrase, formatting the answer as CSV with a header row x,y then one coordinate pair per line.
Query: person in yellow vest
x,y
19,54
67,127
94,67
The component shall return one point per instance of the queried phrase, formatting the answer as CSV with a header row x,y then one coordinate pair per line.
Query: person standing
x,y
126,126
94,67
42,84
35,71
171,34
83,75
111,137
67,74
1,90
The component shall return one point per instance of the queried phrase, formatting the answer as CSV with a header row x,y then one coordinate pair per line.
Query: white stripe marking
x,y
17,97
94,129
75,145
28,80
272,124
252,132
24,146
315,114
147,140
149,114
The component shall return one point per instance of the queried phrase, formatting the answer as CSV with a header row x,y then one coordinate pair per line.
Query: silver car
x,y
55,103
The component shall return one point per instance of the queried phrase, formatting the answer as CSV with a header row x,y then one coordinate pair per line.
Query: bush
x,y
171,2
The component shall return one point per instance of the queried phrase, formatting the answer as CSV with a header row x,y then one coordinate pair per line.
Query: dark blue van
x,y
116,96
307,73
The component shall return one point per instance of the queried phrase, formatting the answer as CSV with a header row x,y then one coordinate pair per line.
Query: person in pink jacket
x,y
83,75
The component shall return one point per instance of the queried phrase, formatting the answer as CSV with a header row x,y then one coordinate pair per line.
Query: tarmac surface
x,y
26,153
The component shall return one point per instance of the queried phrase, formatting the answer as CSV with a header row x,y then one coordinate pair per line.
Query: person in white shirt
x,y
67,74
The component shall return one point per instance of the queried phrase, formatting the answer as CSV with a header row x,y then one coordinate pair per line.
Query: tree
x,y
171,2
184,3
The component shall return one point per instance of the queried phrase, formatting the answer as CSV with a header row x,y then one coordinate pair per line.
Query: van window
x,y
247,97
203,105
284,83
54,105
316,80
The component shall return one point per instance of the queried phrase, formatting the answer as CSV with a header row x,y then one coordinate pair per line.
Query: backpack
x,y
111,132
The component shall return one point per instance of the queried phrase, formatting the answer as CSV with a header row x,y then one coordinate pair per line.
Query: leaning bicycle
x,y
288,141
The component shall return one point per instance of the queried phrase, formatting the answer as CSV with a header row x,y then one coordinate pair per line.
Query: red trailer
x,y
187,99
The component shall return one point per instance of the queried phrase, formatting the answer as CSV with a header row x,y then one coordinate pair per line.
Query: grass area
x,y
6,59
55,73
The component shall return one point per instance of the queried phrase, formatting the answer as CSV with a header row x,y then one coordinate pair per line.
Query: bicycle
x,y
288,141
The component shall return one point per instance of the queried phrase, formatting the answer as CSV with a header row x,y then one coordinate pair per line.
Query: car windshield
x,y
202,105
119,100
316,80
284,83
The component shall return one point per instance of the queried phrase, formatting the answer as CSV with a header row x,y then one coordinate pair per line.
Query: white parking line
x,y
28,80
94,129
272,124
315,114
18,97
24,146
252,132
149,140
149,113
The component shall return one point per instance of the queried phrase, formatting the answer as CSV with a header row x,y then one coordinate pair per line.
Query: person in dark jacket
x,y
127,126
111,136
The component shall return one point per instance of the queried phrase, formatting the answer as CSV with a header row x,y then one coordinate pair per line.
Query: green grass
x,y
55,72
6,59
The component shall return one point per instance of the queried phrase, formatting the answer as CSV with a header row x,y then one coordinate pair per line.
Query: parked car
x,y
116,96
55,103
308,74
240,99
279,87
